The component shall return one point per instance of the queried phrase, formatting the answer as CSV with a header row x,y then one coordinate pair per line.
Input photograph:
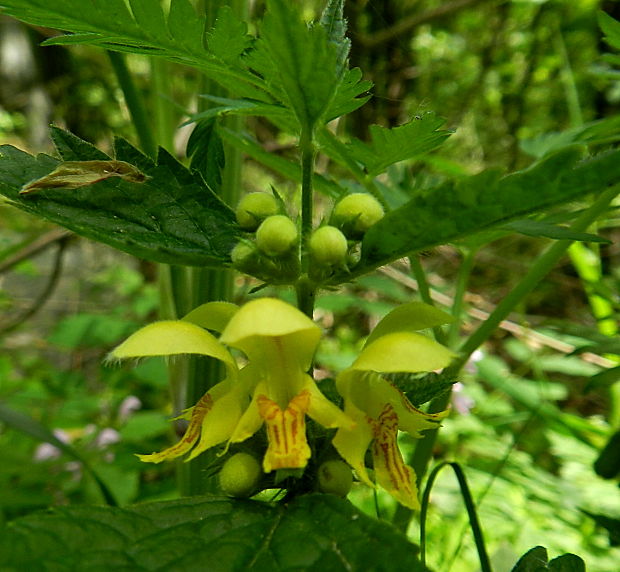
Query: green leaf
x,y
291,170
335,26
172,217
229,38
612,525
567,563
534,560
389,146
607,465
611,29
137,27
302,61
311,533
206,152
455,210
540,228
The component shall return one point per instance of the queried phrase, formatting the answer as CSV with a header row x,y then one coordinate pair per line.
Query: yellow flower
x,y
274,387
379,408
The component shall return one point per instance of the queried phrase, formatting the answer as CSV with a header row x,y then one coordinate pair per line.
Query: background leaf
x,y
482,201
312,532
173,217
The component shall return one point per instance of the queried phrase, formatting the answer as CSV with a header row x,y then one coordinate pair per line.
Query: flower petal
x,y
286,432
172,337
212,315
409,317
391,472
264,319
352,444
198,413
403,351
322,410
219,424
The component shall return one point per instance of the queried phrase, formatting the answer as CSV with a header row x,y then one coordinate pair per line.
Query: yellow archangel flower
x,y
274,387
379,408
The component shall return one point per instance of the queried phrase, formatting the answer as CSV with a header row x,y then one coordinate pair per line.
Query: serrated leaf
x,y
171,217
303,59
389,146
112,25
611,29
229,37
455,210
205,149
312,533
335,25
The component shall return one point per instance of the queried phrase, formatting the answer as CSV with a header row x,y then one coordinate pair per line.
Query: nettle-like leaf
x,y
313,532
141,26
303,64
172,216
388,146
458,209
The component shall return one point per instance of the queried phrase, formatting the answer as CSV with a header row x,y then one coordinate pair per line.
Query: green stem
x,y
485,564
459,295
135,104
424,447
305,289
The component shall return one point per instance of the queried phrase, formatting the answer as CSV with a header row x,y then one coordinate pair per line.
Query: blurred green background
x,y
530,414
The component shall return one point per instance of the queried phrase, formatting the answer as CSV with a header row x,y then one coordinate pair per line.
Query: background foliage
x,y
514,79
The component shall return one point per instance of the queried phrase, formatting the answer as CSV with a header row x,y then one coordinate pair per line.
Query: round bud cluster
x,y
335,477
270,252
254,208
328,246
356,213
276,235
240,475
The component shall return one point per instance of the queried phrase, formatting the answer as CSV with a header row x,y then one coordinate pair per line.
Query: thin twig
x,y
33,248
45,294
411,21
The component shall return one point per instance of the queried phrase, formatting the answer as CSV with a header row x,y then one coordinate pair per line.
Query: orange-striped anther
x,y
286,432
192,433
390,469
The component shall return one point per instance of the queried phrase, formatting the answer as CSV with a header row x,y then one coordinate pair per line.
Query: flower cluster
x,y
274,388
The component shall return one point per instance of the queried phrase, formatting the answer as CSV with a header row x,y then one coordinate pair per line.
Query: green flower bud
x,y
335,477
276,235
356,213
240,475
254,208
328,246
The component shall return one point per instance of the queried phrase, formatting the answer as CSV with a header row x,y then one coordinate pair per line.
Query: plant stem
x,y
304,288
135,104
459,295
424,447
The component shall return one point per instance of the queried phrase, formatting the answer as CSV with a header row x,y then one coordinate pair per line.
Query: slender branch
x,y
43,297
33,248
407,23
